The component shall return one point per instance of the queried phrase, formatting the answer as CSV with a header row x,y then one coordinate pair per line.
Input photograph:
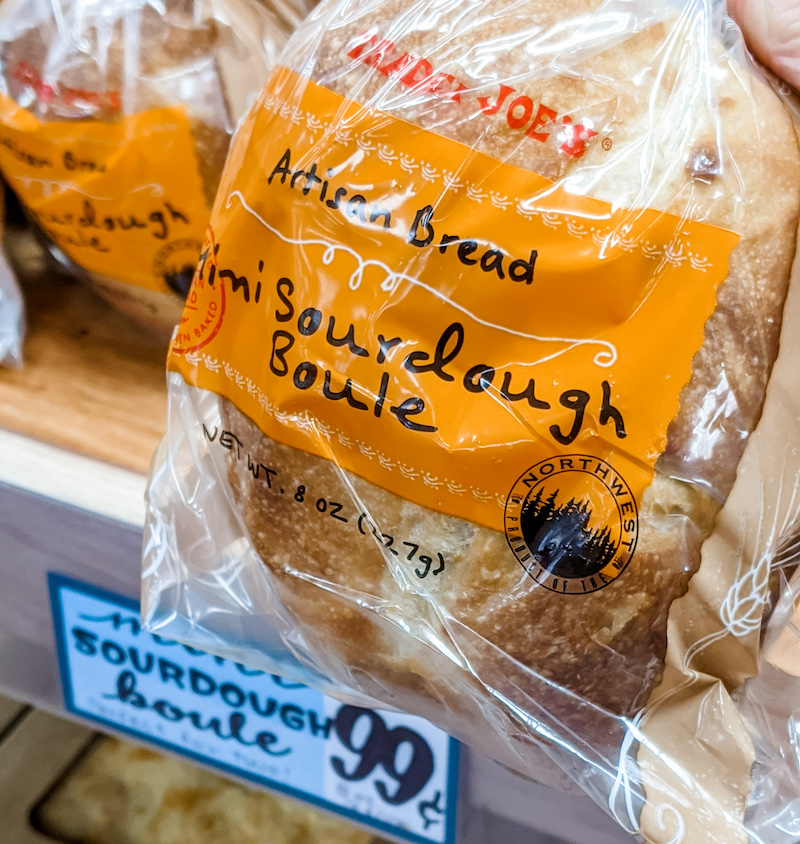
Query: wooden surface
x,y
93,382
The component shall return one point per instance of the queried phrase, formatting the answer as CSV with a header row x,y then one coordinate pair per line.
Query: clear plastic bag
x,y
473,409
116,119
12,310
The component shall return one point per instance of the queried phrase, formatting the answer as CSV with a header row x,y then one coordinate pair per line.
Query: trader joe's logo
x,y
572,523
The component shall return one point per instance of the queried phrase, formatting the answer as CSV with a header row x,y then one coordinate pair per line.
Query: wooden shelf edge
x,y
72,479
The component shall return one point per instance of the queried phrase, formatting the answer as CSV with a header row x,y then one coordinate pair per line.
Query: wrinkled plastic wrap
x,y
483,405
131,110
12,310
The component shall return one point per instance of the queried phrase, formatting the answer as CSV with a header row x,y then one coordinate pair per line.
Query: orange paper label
x,y
457,330
120,199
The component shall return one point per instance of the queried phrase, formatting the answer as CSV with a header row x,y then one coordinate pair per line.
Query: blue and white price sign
x,y
397,773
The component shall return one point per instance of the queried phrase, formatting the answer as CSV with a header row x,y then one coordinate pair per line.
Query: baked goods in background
x,y
122,794
97,65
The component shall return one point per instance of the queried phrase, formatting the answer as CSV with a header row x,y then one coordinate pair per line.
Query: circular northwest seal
x,y
205,304
175,264
572,523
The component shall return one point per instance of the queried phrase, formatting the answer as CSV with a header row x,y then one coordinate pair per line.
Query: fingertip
x,y
788,68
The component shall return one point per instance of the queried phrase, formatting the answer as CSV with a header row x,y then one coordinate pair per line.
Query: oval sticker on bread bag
x,y
205,303
434,320
572,523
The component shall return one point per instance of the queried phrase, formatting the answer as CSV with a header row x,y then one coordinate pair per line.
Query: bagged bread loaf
x,y
116,120
483,324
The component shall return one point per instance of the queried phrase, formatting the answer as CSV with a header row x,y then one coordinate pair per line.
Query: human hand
x,y
772,31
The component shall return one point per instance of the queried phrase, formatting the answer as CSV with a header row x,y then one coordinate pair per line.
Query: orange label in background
x,y
121,199
451,328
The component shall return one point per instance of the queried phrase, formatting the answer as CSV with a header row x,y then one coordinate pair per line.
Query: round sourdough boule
x,y
184,54
714,147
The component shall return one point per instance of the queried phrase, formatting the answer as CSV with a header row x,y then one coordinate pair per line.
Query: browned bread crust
x,y
121,793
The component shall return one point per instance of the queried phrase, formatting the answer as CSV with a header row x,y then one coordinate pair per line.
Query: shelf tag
x,y
395,773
